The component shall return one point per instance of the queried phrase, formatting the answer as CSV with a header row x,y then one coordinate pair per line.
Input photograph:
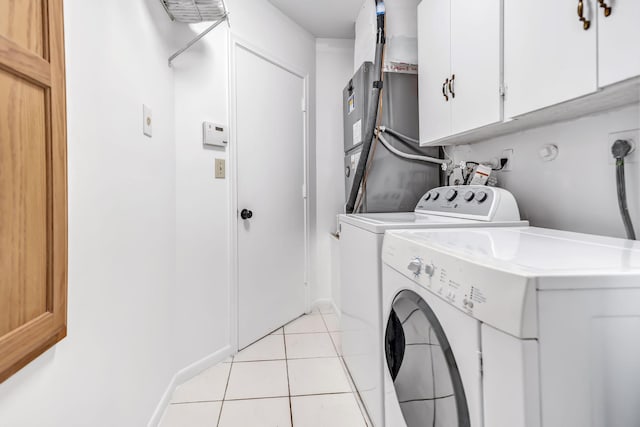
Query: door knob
x,y
246,214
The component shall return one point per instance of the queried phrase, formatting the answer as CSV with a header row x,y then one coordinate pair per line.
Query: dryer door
x,y
422,363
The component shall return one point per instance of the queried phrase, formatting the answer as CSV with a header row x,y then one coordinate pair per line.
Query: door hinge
x,y
303,105
304,191
481,363
503,91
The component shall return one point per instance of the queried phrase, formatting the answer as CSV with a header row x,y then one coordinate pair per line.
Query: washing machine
x,y
511,327
361,237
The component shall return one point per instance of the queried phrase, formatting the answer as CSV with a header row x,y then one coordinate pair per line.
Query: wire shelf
x,y
193,11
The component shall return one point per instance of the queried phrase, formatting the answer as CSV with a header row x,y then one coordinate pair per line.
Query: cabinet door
x,y
434,56
476,31
619,42
548,56
33,204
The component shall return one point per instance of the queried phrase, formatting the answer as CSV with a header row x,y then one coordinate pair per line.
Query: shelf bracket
x,y
199,37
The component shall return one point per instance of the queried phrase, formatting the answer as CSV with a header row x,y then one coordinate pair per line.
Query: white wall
x,y
201,317
334,65
148,247
116,361
577,191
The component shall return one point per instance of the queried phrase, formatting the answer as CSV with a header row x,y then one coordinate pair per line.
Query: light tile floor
x,y
291,378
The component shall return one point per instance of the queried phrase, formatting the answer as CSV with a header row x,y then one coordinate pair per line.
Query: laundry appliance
x,y
511,327
361,237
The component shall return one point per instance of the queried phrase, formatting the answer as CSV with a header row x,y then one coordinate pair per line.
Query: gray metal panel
x,y
359,92
393,184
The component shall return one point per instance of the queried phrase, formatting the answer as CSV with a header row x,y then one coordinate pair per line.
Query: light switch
x,y
220,169
147,121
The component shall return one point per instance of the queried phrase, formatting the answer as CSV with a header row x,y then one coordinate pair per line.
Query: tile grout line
x,y
224,396
286,363
354,391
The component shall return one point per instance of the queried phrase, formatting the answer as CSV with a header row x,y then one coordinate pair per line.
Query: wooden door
x,y
548,55
476,57
434,57
618,46
33,202
270,140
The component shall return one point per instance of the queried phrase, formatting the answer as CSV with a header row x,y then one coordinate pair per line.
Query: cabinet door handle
x,y
453,94
586,24
444,90
606,7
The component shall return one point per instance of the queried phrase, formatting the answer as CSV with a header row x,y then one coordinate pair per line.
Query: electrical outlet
x,y
633,136
507,153
147,121
220,169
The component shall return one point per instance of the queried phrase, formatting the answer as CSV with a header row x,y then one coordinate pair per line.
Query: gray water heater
x,y
393,184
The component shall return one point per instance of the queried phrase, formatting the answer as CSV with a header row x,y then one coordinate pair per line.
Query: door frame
x,y
236,42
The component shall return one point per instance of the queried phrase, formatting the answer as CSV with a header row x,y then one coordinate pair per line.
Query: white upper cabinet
x,y
549,57
476,31
618,41
459,49
434,59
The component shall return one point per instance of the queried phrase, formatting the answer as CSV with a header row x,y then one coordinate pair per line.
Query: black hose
x,y
372,111
620,150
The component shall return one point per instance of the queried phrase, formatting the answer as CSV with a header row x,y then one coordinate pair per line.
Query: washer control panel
x,y
500,299
470,201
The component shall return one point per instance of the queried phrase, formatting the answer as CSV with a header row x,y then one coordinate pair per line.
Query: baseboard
x,y
325,301
184,375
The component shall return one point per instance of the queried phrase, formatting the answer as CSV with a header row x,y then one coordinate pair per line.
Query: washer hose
x,y
620,150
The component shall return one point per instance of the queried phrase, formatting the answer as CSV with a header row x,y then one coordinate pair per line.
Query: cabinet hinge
x,y
503,91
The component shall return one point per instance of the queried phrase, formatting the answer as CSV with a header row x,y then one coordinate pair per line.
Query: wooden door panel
x,y
33,187
22,21
23,202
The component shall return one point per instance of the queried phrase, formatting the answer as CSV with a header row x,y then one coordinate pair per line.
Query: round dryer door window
x,y
423,367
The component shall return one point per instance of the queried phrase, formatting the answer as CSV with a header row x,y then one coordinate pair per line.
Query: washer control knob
x,y
451,195
415,266
429,269
469,196
435,195
482,196
428,197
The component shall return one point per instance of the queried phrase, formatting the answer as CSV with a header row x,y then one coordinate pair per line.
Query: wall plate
x,y
147,121
633,136
220,169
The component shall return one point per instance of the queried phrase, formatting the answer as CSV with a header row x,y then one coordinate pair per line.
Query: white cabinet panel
x,y
548,56
434,56
619,42
476,63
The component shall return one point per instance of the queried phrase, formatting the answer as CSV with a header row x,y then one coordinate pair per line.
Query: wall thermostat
x,y
215,135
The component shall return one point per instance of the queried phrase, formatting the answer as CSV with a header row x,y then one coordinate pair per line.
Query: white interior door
x,y
270,177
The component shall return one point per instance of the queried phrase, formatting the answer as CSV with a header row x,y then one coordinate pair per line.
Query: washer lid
x,y
557,259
